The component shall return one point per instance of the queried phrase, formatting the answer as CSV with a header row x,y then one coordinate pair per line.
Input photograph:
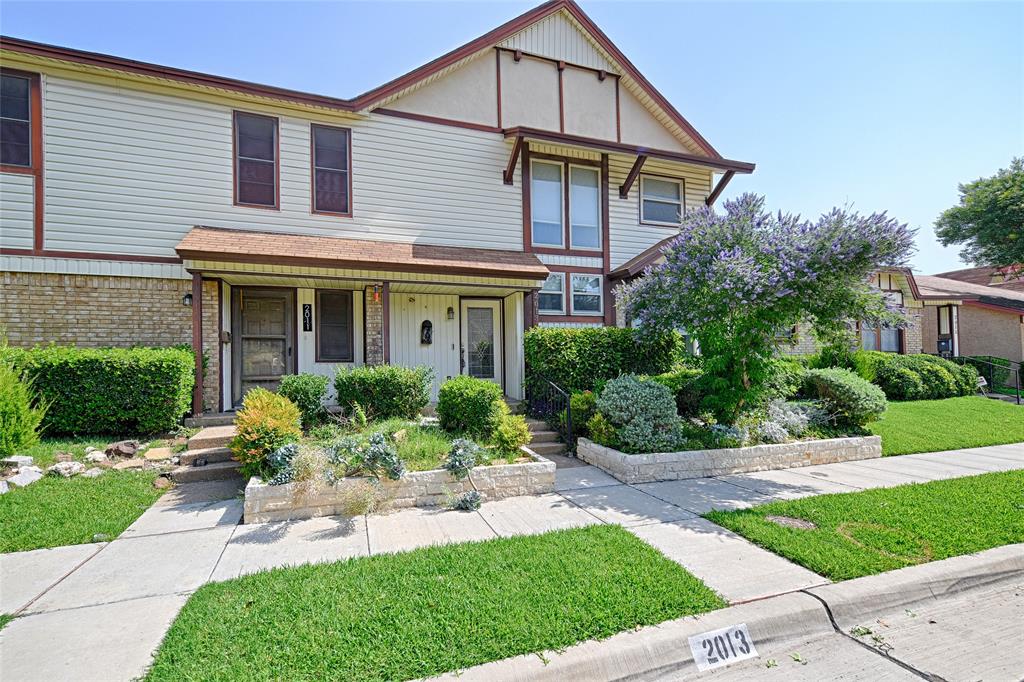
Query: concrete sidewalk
x,y
97,612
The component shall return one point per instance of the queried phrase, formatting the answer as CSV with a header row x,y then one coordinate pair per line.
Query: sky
x,y
876,106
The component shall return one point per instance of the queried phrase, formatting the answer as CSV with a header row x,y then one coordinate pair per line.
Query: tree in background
x,y
733,281
989,221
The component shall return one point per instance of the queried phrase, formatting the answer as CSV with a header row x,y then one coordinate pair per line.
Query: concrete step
x,y
516,406
544,436
191,458
537,424
219,471
212,437
556,448
210,419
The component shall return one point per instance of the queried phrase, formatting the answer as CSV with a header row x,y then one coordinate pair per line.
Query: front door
x,y
263,337
481,339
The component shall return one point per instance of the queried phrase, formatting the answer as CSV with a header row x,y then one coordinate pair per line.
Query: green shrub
x,y
108,390
787,378
966,378
384,391
266,422
935,378
19,419
899,382
578,359
601,431
511,434
938,380
584,406
471,406
643,413
833,355
686,385
851,400
307,391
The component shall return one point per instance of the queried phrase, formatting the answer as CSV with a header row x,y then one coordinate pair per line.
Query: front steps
x,y
210,419
208,457
545,441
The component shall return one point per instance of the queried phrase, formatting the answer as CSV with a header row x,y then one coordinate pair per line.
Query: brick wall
x,y
374,329
984,331
96,311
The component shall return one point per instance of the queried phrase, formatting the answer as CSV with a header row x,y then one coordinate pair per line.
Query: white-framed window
x,y
586,295
546,208
584,207
551,298
661,200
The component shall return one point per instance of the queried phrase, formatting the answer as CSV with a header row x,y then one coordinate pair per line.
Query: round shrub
x,y
685,384
384,391
469,405
601,431
938,381
307,391
19,419
850,400
966,379
266,422
899,383
583,405
511,434
628,398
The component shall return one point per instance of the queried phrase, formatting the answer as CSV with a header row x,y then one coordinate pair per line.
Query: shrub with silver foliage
x,y
467,501
629,397
462,458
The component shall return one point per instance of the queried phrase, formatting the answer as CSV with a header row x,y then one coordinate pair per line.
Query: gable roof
x,y
1013,276
374,97
944,288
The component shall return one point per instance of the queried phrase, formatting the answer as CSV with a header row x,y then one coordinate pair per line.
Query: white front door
x,y
481,339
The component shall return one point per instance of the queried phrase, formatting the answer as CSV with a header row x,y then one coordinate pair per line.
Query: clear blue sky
x,y
883,106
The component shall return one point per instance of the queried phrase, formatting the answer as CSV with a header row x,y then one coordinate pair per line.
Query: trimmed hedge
x,y
307,391
384,391
849,399
471,406
581,359
108,390
915,377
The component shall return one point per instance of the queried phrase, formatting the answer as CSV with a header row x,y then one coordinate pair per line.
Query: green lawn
x,y
421,613
70,511
936,425
879,530
5,618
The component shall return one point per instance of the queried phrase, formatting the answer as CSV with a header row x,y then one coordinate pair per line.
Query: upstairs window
x,y
15,120
334,326
551,299
546,203
331,170
584,207
586,295
256,172
661,201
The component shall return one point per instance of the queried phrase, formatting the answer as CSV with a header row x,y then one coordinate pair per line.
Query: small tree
x,y
733,281
989,221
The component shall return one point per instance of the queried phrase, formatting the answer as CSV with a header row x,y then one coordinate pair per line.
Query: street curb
x,y
857,601
653,652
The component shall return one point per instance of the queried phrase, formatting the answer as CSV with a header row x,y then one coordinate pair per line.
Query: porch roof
x,y
272,248
968,292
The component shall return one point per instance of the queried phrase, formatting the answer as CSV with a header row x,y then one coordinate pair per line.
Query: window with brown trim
x,y
587,296
885,339
662,200
332,174
551,297
334,326
15,120
256,162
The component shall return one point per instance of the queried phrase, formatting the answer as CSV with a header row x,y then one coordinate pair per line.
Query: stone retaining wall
x,y
416,489
670,466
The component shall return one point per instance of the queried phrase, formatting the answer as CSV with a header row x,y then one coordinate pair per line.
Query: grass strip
x,y
432,610
878,530
951,424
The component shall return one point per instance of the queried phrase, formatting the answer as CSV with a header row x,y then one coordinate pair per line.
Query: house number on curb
x,y
722,647
307,317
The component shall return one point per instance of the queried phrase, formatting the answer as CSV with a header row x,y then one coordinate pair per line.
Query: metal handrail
x,y
1013,368
548,401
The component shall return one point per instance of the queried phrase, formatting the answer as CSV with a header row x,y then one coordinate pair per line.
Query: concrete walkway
x,y
97,612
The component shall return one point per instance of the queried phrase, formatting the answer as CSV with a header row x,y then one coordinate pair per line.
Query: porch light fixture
x,y
376,293
186,300
451,313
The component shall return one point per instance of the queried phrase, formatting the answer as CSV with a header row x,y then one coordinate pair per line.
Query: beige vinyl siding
x,y
515,362
131,172
17,210
557,37
89,266
627,236
408,311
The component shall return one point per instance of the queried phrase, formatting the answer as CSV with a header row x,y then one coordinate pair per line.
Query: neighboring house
x,y
428,221
1010,277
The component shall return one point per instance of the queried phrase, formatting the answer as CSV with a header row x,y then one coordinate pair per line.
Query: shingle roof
x,y
942,287
272,248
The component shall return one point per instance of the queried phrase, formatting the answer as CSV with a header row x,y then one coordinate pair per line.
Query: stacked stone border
x,y
265,503
672,466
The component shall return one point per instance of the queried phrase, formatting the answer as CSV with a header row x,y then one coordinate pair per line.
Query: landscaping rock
x,y
123,448
89,449
61,456
4,487
100,537
95,456
93,473
18,461
130,464
157,454
162,483
67,469
26,475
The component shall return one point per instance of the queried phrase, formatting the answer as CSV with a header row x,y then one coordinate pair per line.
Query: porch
x,y
290,304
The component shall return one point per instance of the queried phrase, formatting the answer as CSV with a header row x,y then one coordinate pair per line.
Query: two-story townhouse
x,y
429,221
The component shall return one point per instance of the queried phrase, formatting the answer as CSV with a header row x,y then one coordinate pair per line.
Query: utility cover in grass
x,y
879,530
432,610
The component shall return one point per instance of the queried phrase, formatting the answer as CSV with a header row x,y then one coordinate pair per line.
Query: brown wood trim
x,y
312,171
497,80
359,280
518,54
35,167
510,169
640,200
277,160
317,357
631,177
609,308
438,120
607,145
220,346
561,97
710,201
527,207
197,342
385,322
86,255
592,319
567,162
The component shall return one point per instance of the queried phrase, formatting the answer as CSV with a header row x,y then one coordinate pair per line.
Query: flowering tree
x,y
735,281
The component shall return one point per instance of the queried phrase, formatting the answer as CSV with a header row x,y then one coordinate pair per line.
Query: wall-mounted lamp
x,y
186,300
451,313
376,293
